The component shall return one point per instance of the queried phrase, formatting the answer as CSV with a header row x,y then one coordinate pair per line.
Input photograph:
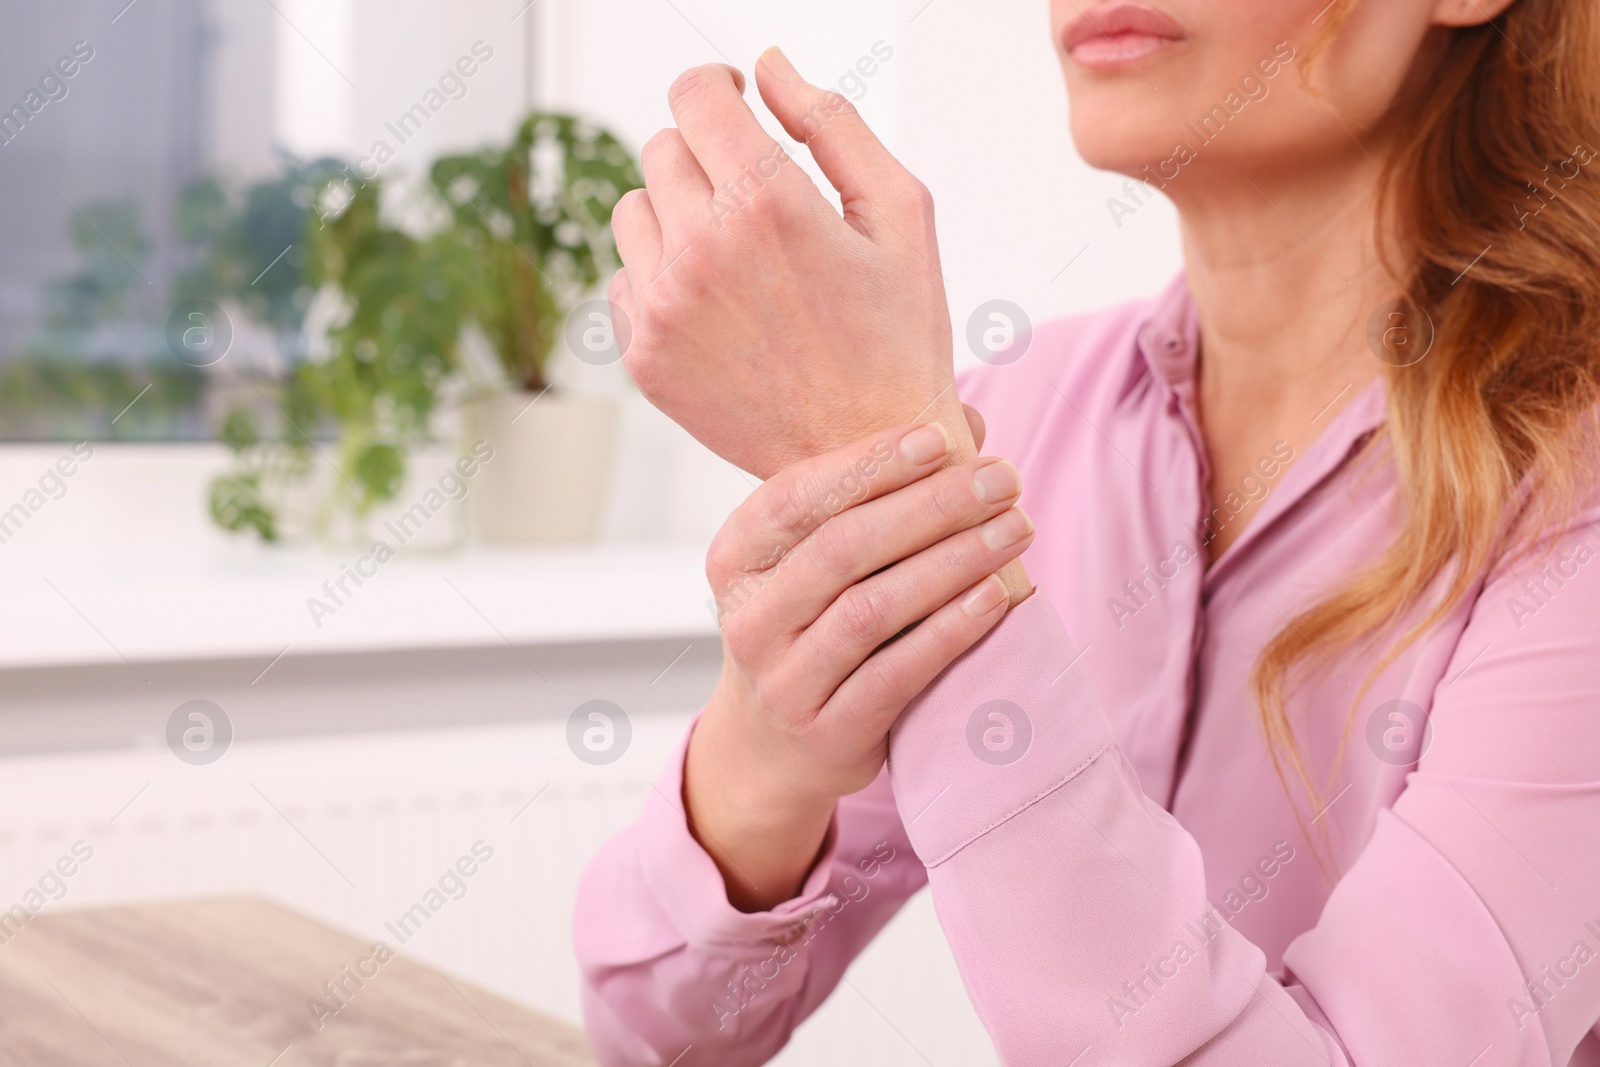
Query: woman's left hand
x,y
765,324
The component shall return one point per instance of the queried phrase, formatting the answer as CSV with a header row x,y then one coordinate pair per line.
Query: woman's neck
x,y
1285,274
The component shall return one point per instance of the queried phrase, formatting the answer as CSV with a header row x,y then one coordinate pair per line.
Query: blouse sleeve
x,y
1466,932
674,974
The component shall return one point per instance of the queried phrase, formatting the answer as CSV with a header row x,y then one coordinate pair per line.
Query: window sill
x,y
125,565
261,604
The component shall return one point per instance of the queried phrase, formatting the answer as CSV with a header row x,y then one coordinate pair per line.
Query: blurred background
x,y
308,414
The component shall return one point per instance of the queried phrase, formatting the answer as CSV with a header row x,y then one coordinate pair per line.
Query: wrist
x,y
762,826
736,786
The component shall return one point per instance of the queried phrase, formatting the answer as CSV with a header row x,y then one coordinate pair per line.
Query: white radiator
x,y
356,829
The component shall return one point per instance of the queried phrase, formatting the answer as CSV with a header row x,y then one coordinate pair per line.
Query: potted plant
x,y
532,223
520,234
388,353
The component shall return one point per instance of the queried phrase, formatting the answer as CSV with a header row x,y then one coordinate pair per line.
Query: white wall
x,y
347,67
985,126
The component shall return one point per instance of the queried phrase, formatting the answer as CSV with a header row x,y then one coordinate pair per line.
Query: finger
x,y
680,192
799,499
873,611
869,179
976,425
878,533
708,105
619,291
875,694
638,233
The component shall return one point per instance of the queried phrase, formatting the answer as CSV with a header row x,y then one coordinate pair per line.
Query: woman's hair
x,y
1494,190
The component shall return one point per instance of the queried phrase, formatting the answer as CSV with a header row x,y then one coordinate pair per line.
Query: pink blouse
x,y
1088,795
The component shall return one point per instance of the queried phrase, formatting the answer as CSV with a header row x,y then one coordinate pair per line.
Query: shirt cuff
x,y
690,889
1009,722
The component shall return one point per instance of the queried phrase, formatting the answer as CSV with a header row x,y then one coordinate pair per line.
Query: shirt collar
x,y
1168,342
1168,348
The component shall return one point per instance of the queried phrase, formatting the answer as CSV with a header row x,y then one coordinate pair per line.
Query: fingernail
x,y
925,444
985,597
996,482
1005,530
779,65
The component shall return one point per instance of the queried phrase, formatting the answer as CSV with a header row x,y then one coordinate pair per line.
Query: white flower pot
x,y
546,482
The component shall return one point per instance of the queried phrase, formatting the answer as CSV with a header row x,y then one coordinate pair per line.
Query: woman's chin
x,y
1112,126
1121,152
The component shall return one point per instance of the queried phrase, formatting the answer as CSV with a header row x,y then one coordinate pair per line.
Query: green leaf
x,y
239,430
380,470
236,505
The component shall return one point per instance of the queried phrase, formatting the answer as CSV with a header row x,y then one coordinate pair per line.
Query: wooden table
x,y
226,983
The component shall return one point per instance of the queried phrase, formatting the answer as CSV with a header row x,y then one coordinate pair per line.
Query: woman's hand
x,y
763,322
768,326
816,575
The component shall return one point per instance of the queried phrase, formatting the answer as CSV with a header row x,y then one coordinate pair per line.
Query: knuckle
x,y
842,105
950,504
655,299
826,106
940,641
643,368
950,633
658,140
941,637
741,640
881,687
683,282
767,209
941,501
964,557
692,282
628,205
689,85
916,198
863,616
786,506
833,551
722,562
617,286
651,319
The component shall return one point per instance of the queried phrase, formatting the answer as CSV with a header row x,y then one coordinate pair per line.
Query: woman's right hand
x,y
815,575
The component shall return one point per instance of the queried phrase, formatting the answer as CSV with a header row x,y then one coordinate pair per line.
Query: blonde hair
x,y
1492,433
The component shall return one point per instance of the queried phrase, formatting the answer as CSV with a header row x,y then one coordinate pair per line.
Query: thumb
x,y
976,424
869,179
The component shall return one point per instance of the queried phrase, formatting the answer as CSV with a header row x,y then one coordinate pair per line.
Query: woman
x,y
1294,755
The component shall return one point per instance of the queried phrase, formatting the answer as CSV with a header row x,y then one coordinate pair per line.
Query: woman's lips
x,y
1118,33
